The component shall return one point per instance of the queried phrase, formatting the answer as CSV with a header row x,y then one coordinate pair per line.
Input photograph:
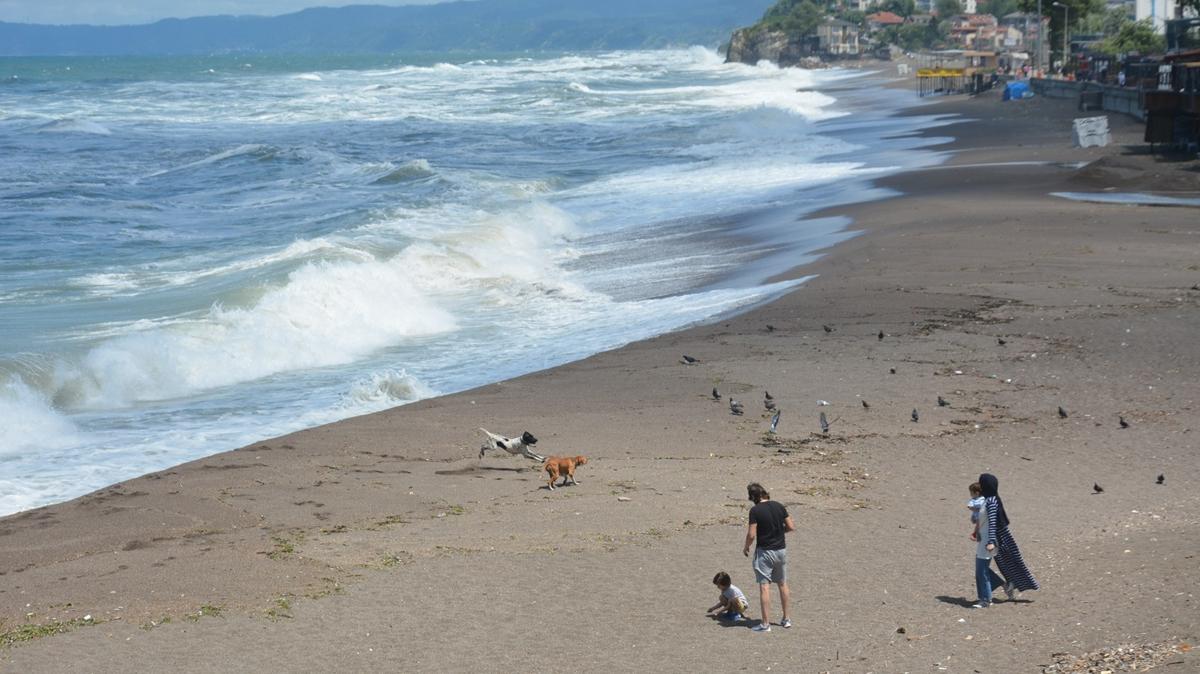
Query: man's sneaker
x,y
761,627
979,605
786,623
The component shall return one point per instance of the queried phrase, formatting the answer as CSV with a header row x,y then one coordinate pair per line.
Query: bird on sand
x,y
770,328
775,420
1062,414
716,394
1097,488
688,360
735,407
824,423
827,328
767,395
892,370
915,416
880,335
1161,479
865,405
942,402
769,404
1121,420
1001,341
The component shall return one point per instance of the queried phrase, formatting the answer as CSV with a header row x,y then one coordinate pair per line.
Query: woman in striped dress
x,y
1000,540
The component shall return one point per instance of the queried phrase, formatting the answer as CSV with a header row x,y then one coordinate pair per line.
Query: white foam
x,y
28,422
309,77
1129,198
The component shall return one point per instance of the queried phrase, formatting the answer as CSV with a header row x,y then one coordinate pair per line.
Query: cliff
x,y
754,44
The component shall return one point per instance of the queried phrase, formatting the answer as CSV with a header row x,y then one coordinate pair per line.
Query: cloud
x,y
147,11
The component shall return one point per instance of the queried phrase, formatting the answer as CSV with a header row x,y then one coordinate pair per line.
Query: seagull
x,y
1062,414
775,420
716,394
688,360
880,335
942,402
865,405
1121,420
824,423
915,416
1097,488
1001,341
827,328
769,404
770,328
1160,479
892,370
735,407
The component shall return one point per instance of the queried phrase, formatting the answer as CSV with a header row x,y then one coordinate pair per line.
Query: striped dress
x,y
1008,555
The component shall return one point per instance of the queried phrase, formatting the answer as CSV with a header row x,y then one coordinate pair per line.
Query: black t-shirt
x,y
770,517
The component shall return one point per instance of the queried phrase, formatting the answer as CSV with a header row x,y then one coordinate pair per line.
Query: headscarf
x,y
990,488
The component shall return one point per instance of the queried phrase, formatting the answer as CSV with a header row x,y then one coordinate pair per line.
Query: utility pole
x,y
1040,21
1066,33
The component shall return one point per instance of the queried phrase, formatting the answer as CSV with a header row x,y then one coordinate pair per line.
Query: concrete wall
x,y
1113,99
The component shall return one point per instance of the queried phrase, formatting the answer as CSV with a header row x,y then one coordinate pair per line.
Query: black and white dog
x,y
519,445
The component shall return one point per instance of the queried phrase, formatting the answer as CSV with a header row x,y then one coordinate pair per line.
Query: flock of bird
x,y
738,408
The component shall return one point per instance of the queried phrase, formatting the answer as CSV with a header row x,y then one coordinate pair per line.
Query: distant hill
x,y
499,25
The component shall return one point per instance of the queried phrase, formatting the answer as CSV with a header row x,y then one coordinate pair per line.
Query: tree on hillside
x,y
948,8
1077,11
998,8
904,8
1134,36
798,17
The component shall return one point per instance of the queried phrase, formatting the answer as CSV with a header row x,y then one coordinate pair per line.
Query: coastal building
x,y
1157,11
1028,26
880,20
838,38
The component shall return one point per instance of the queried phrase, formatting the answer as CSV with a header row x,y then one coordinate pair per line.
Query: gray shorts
x,y
770,566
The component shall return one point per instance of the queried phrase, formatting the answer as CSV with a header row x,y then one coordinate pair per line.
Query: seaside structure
x,y
837,37
1157,11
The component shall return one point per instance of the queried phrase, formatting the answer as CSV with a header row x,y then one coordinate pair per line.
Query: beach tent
x,y
1017,90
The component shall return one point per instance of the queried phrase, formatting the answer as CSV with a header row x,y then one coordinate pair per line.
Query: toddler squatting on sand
x,y
732,600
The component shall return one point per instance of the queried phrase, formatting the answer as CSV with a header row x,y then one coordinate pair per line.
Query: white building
x,y
970,6
1158,11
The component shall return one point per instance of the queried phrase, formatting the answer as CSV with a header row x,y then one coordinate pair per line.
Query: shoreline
x,y
322,518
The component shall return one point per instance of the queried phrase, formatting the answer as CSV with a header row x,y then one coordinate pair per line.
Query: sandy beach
x,y
383,543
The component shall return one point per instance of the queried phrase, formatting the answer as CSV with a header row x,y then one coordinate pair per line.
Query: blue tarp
x,y
1017,90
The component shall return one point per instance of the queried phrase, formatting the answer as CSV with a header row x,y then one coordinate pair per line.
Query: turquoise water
x,y
196,253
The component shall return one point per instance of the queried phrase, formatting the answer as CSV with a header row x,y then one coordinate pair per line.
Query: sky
x,y
116,12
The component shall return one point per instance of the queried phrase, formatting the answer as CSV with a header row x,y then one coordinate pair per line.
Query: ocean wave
x,y
385,388
411,170
72,125
257,150
29,422
308,77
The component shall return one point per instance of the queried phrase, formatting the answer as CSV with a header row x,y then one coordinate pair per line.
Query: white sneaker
x,y
761,627
786,623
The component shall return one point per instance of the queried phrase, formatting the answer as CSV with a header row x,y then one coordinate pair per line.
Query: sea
x,y
200,252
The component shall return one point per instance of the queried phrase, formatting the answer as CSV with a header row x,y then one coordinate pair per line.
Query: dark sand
x,y
383,543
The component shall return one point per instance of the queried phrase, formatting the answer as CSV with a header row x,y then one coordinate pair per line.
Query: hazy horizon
x,y
139,12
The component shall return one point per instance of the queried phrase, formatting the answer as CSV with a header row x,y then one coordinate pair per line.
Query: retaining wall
x,y
1113,99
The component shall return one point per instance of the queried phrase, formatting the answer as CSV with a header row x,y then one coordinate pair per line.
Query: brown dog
x,y
565,466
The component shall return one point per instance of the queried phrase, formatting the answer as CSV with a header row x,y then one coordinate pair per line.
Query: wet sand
x,y
383,543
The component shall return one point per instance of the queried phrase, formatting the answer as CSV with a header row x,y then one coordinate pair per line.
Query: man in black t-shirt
x,y
769,521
